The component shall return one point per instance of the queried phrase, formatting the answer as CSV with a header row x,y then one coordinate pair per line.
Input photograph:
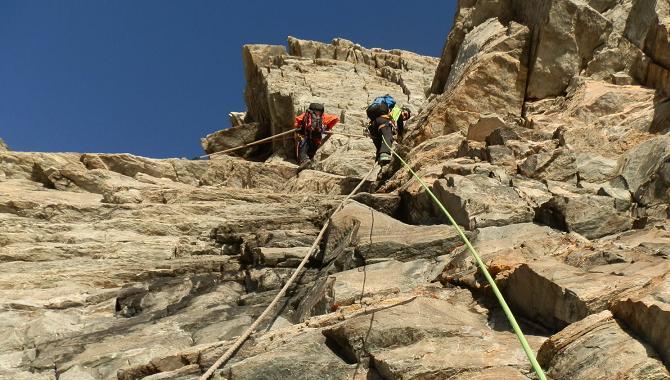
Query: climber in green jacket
x,y
385,118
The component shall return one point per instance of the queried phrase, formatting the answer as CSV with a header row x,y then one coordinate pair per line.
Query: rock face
x,y
378,236
491,56
605,40
578,352
480,201
545,137
645,170
343,76
590,215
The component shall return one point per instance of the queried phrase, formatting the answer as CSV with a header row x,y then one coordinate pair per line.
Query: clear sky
x,y
152,77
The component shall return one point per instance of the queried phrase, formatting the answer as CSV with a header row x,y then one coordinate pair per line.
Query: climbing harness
x,y
229,353
510,317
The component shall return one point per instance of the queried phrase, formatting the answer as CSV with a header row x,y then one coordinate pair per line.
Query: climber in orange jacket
x,y
311,125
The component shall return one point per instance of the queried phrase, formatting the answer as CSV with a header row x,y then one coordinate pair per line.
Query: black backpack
x,y
313,121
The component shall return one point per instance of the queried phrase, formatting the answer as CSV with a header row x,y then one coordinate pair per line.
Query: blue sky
x,y
152,77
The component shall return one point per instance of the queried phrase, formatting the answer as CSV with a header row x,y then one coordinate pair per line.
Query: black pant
x,y
307,148
381,127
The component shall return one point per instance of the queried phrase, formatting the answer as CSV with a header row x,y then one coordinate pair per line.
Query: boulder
x,y
648,27
403,325
557,295
307,358
596,117
488,76
280,256
646,171
599,347
590,215
595,169
419,208
557,165
483,358
502,249
566,35
502,156
233,137
374,235
364,285
622,197
380,279
477,201
648,315
535,193
394,337
486,124
500,136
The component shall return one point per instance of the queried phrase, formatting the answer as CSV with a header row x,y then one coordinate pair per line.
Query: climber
x,y
311,125
385,120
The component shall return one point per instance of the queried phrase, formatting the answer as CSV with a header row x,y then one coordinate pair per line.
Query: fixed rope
x,y
229,353
346,134
269,139
508,313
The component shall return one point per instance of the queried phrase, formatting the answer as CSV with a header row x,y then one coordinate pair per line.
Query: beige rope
x,y
228,354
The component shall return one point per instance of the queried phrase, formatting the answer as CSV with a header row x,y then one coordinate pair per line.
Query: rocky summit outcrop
x,y
343,76
543,129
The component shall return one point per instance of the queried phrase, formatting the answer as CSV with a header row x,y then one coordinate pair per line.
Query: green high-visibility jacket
x,y
395,113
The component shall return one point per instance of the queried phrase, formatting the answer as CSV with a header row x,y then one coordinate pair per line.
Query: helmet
x,y
409,111
316,107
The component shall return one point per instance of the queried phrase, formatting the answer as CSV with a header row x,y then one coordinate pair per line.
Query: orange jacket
x,y
328,120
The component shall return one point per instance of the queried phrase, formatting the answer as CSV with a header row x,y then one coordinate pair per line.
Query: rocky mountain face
x,y
544,129
342,75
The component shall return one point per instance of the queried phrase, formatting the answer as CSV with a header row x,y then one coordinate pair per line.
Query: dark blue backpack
x,y
387,99
382,105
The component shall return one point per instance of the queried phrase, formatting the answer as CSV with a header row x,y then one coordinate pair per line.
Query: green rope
x,y
482,267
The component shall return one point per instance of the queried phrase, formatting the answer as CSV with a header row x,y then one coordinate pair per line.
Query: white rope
x,y
228,354
268,139
247,145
